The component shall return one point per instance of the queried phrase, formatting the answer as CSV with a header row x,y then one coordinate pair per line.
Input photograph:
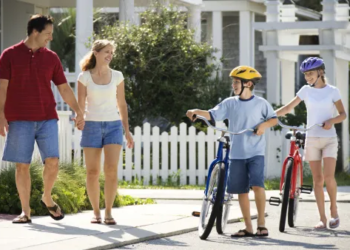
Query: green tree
x,y
165,70
64,37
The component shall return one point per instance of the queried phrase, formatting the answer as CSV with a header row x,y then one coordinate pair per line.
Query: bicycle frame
x,y
220,158
297,162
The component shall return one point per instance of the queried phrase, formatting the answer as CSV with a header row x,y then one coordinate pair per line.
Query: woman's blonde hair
x,y
89,60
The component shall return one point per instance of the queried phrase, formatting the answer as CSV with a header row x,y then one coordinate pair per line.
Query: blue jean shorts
x,y
19,145
97,134
244,174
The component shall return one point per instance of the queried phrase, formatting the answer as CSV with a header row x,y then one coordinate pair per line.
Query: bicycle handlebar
x,y
221,129
297,128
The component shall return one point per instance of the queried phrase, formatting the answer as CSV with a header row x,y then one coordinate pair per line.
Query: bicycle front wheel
x,y
285,194
211,204
293,203
222,218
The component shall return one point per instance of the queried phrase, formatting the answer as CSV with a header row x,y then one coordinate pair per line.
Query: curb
x,y
235,199
159,236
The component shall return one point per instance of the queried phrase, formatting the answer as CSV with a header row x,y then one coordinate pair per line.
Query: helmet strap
x,y
318,77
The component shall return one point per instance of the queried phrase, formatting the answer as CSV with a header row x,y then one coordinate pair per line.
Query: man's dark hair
x,y
38,22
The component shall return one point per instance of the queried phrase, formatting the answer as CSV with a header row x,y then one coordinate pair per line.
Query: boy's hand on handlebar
x,y
260,129
191,114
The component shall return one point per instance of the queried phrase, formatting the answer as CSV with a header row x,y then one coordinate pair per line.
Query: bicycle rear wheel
x,y
285,194
211,204
293,203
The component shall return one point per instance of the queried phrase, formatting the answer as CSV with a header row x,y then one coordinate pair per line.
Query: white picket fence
x,y
158,155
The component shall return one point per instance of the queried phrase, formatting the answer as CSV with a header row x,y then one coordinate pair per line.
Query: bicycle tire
x,y
285,196
293,203
223,210
204,231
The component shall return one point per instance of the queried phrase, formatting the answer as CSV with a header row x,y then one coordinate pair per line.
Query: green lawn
x,y
343,179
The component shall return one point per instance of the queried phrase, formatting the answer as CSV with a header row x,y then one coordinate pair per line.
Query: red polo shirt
x,y
29,95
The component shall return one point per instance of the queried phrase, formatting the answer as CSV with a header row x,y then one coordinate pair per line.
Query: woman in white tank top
x,y
321,100
101,95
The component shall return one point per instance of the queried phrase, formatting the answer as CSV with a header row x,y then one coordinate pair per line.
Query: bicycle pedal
x,y
275,201
306,189
196,213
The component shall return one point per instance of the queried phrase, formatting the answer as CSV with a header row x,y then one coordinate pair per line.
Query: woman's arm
x,y
123,111
339,118
289,107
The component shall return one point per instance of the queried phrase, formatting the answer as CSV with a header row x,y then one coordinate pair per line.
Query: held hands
x,y
190,113
79,121
129,140
4,127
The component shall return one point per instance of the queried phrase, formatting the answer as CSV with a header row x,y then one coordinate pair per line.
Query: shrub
x,y
69,191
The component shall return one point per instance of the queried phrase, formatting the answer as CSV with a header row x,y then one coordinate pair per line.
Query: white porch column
x,y
288,81
288,11
246,41
217,37
126,11
342,68
84,31
272,57
195,21
329,10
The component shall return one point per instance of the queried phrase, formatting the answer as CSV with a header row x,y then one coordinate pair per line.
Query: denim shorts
x,y
19,145
97,134
244,174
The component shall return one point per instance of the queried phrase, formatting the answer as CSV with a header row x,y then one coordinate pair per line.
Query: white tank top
x,y
101,100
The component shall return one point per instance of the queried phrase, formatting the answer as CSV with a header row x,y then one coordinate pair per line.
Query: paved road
x,y
301,237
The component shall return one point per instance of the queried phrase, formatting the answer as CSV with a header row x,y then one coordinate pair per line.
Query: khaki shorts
x,y
317,148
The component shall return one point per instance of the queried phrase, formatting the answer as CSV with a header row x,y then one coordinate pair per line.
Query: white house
x,y
271,35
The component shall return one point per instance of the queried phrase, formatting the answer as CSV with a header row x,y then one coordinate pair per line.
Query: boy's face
x,y
237,85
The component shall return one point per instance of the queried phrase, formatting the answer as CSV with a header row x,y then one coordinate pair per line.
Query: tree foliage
x,y
166,72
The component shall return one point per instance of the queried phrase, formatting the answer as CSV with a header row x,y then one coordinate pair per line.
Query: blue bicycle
x,y
216,202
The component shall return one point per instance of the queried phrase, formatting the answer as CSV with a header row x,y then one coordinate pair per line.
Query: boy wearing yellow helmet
x,y
247,150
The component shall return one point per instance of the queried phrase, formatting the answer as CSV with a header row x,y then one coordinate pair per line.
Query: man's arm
x,y
69,97
3,92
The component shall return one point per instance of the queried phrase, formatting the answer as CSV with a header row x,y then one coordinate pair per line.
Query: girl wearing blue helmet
x,y
321,100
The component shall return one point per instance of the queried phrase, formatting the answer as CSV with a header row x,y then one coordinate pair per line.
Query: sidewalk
x,y
172,194
75,232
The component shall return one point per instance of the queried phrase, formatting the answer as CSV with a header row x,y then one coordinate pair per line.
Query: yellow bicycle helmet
x,y
245,74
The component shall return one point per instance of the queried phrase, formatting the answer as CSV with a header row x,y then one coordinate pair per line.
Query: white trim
x,y
312,25
241,5
299,48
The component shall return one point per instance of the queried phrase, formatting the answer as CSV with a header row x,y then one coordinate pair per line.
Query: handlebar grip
x,y
255,130
194,117
323,124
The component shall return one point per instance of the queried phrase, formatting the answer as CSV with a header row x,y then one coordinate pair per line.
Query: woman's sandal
x,y
262,229
96,220
110,221
334,223
320,226
22,219
246,234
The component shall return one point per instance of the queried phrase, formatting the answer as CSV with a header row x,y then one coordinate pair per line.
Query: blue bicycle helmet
x,y
312,63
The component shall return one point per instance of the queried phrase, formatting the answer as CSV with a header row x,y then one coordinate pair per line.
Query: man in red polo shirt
x,y
28,110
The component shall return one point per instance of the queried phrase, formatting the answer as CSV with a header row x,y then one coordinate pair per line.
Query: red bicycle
x,y
291,183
